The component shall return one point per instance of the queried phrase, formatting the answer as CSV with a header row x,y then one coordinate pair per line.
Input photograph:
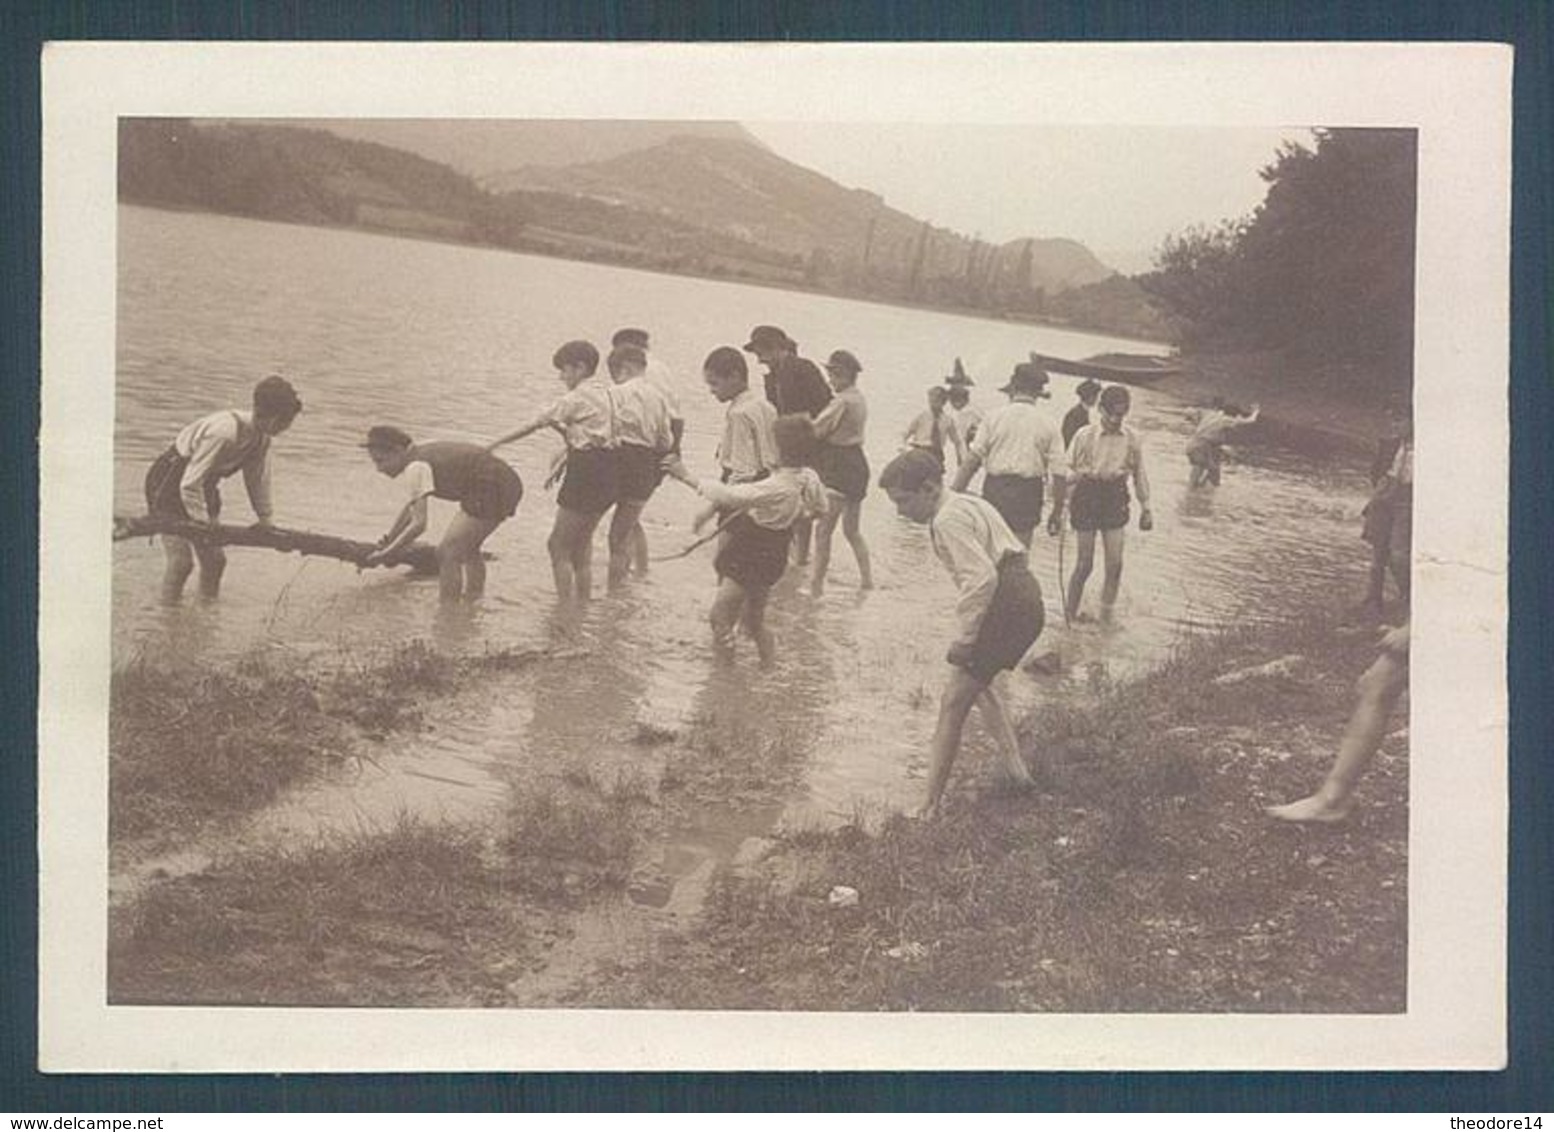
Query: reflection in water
x,y
425,336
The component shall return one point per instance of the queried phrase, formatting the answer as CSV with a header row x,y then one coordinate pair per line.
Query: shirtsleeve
x,y
829,418
418,480
960,547
209,443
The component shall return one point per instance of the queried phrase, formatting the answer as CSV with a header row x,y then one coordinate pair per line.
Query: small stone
x,y
842,897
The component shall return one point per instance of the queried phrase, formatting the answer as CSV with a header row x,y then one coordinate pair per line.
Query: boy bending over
x,y
1000,609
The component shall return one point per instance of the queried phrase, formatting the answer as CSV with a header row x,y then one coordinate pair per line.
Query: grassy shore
x,y
1142,875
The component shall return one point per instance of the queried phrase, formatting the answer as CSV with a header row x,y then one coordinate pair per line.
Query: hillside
x,y
482,148
748,192
713,206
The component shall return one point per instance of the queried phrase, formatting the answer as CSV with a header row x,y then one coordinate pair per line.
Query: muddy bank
x,y
1140,876
1309,408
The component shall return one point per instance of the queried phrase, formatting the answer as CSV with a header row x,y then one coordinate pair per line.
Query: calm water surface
x,y
454,343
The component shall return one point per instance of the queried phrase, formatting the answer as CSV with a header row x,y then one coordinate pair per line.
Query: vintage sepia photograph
x,y
744,563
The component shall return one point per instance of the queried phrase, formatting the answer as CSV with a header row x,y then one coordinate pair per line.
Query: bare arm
x,y
966,471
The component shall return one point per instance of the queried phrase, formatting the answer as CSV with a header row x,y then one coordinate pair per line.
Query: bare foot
x,y
1315,809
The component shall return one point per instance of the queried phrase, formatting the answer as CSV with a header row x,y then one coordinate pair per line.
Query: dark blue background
x,y
1527,1086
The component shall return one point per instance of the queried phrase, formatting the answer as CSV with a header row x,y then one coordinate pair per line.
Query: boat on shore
x,y
1130,369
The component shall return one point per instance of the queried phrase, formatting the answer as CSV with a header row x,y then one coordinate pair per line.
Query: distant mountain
x,y
480,148
714,206
744,190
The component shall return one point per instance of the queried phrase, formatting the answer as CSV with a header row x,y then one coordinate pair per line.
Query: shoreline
x,y
1146,835
770,284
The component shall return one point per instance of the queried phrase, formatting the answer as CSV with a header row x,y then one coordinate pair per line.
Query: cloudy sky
x,y
1119,190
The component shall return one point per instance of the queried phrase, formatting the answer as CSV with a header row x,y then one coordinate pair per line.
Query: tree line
x,y
1323,269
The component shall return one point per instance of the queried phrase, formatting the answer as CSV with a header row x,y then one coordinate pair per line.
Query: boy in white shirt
x,y
999,611
644,437
183,481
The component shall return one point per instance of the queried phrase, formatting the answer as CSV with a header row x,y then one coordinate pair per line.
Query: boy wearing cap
x,y
966,416
999,611
793,385
486,490
645,436
1019,448
1101,459
585,417
183,482
843,469
1082,413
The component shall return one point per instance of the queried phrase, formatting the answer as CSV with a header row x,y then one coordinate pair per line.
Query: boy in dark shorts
x,y
183,481
757,527
1101,458
999,612
644,436
843,468
585,417
486,490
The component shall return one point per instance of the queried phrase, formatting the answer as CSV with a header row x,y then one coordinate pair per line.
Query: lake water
x,y
453,342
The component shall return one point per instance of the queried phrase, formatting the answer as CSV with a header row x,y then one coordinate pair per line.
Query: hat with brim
x,y
1028,377
769,337
959,376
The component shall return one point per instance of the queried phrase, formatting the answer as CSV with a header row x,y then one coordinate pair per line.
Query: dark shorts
x,y
1205,454
1099,505
752,555
591,484
844,469
495,493
640,472
1018,499
164,488
1014,619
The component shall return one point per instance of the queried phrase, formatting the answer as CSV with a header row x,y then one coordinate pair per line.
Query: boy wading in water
x,y
757,526
967,417
486,490
793,385
183,482
1206,446
585,417
1020,449
843,468
659,376
645,436
1100,460
934,427
999,611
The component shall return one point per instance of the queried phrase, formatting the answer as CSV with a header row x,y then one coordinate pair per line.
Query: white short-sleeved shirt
x,y
778,501
642,415
661,377
217,446
585,414
749,444
971,538
1018,439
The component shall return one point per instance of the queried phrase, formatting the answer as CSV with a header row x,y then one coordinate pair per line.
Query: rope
x,y
699,543
1062,589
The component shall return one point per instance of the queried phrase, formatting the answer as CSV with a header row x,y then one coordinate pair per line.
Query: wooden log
x,y
419,556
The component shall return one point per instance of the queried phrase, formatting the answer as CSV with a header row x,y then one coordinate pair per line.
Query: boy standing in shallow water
x,y
486,490
183,482
585,417
999,611
843,469
758,526
645,436
1101,458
